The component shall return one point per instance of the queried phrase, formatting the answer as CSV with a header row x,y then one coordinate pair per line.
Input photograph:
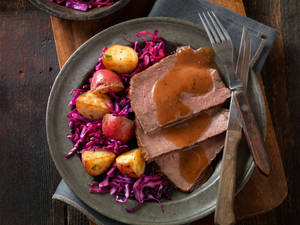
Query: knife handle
x,y
224,214
252,133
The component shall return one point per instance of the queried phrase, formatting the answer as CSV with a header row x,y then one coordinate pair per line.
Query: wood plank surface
x,y
67,30
281,80
77,32
28,66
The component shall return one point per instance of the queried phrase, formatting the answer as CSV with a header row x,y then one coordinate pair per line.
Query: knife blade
x,y
243,62
242,71
249,124
224,213
222,45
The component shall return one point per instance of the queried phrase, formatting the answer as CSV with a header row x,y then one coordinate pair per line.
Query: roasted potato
x,y
97,161
92,106
117,127
131,163
120,58
104,79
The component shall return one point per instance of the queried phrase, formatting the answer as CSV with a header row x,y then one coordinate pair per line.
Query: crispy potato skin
x,y
120,58
131,163
117,127
92,106
97,161
104,79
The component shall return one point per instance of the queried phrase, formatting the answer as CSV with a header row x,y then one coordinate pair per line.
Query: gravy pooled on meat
x,y
188,132
190,74
192,162
185,169
157,144
179,121
176,89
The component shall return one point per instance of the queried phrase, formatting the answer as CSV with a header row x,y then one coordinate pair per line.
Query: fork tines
x,y
213,27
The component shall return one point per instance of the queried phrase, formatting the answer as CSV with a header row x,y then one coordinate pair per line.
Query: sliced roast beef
x,y
186,168
184,136
144,86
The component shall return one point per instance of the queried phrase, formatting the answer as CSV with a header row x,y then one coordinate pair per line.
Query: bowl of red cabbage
x,y
79,9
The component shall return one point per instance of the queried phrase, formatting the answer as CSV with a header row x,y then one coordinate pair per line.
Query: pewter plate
x,y
184,207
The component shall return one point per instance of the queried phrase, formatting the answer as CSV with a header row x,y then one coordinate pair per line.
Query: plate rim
x,y
246,175
80,16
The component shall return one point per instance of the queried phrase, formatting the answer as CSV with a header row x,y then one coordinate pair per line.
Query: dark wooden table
x,y
28,66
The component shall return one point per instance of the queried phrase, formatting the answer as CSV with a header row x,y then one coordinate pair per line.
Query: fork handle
x,y
252,133
224,214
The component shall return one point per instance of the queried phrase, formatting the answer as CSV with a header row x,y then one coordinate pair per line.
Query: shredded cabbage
x,y
145,188
84,5
86,134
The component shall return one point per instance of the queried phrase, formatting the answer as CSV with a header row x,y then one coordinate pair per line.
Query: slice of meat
x,y
142,90
182,136
185,169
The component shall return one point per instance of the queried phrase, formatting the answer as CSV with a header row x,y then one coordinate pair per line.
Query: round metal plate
x,y
184,207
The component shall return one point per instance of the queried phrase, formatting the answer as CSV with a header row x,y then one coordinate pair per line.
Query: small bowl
x,y
63,12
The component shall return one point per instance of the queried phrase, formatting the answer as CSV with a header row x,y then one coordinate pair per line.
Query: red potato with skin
x,y
117,127
104,79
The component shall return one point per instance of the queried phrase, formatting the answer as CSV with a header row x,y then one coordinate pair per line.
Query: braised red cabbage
x,y
84,5
87,134
147,187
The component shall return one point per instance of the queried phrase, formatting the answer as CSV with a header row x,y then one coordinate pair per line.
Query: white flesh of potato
x,y
131,163
120,58
97,161
92,106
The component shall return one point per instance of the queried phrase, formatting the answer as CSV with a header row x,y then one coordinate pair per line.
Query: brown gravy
x,y
190,74
192,163
186,133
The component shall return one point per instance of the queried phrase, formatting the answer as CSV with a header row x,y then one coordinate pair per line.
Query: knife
x,y
224,214
249,125
252,132
223,46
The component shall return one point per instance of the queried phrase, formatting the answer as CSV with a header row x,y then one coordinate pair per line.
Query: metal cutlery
x,y
221,43
224,213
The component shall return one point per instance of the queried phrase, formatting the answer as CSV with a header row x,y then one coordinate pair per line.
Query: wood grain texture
x,y
237,6
251,130
268,192
224,213
58,213
233,5
282,82
28,66
77,32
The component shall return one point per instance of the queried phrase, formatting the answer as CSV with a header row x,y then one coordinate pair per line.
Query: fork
x,y
222,45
